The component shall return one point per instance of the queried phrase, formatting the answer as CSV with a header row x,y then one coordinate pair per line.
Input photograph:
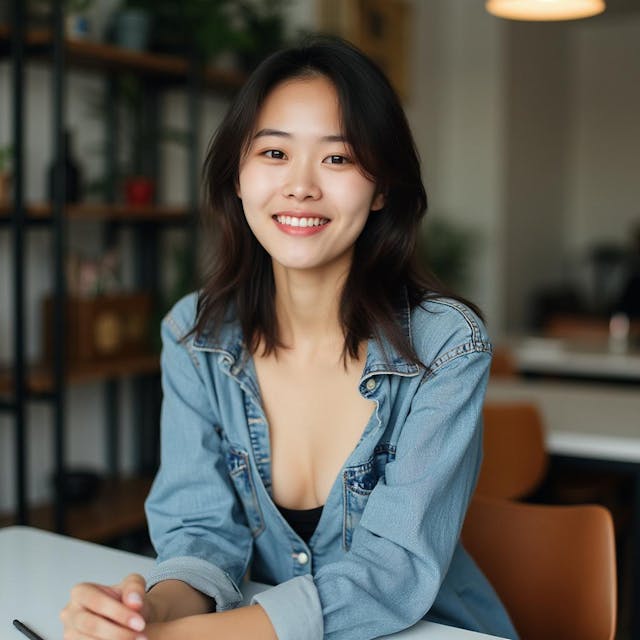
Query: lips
x,y
300,224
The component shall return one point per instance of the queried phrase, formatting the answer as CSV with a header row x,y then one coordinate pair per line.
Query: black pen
x,y
30,633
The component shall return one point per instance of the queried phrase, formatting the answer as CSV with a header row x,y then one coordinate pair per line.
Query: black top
x,y
302,521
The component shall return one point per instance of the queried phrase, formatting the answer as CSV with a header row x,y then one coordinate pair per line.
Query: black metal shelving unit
x,y
146,242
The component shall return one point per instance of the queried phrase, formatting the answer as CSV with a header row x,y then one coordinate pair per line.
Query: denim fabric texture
x,y
386,551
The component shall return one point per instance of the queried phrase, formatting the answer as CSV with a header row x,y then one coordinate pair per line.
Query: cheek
x,y
251,184
358,195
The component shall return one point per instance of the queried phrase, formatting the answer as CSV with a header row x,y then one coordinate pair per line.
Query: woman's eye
x,y
337,159
275,154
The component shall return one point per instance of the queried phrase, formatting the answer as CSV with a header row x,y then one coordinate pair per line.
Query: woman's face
x,y
304,197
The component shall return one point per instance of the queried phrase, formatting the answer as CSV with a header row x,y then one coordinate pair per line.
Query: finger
x,y
93,599
93,626
133,588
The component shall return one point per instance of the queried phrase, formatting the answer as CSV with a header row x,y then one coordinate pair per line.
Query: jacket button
x,y
371,384
302,558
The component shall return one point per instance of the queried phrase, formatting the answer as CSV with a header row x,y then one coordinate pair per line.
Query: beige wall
x,y
604,162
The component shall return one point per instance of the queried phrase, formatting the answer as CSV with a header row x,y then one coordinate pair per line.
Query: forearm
x,y
236,624
174,599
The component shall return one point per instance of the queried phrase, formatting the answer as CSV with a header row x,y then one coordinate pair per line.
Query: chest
x,y
316,417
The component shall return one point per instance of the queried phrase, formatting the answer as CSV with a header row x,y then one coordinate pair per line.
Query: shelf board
x,y
40,377
43,212
118,509
98,55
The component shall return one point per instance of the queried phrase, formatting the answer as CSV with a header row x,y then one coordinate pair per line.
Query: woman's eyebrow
x,y
284,134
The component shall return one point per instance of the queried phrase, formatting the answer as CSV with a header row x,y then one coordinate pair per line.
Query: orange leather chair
x,y
554,567
515,459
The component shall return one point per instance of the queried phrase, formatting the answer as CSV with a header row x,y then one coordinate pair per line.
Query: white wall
x,y
604,178
458,120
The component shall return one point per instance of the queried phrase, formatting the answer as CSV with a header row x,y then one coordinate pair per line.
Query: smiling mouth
x,y
301,222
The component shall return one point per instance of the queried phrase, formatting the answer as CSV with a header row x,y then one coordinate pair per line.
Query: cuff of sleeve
x,y
201,575
292,606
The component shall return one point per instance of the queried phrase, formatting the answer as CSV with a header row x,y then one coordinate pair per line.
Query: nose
x,y
301,182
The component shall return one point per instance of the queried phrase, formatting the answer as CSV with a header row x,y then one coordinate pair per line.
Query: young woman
x,y
321,418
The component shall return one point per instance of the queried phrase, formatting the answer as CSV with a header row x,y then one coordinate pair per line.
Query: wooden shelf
x,y
118,509
162,214
40,377
97,55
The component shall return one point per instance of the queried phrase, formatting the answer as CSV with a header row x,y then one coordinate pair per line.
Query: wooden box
x,y
109,326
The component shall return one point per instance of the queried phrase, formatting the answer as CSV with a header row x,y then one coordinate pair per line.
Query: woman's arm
x,y
173,599
237,624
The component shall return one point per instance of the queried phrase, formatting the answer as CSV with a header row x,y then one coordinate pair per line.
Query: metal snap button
x,y
302,558
371,384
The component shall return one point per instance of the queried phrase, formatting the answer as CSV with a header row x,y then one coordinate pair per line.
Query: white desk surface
x,y
38,569
583,420
561,357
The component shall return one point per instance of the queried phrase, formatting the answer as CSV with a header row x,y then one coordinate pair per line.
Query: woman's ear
x,y
378,202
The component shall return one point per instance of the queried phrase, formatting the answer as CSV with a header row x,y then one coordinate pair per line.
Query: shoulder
x,y
443,329
182,316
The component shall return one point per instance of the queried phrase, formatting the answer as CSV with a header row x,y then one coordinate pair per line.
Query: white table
x,y
585,359
38,569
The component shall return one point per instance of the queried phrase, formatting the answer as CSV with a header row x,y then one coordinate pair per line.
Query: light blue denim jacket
x,y
386,551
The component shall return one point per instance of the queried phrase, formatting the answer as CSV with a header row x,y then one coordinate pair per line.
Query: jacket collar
x,y
382,357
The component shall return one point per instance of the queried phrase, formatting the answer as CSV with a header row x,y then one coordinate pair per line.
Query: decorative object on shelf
x,y
132,26
6,177
192,28
103,327
72,175
87,278
101,321
76,20
545,10
139,191
381,28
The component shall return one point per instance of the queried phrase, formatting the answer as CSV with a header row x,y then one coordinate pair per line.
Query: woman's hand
x,y
99,612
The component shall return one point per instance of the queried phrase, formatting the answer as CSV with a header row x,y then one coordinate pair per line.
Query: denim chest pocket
x,y
240,473
358,483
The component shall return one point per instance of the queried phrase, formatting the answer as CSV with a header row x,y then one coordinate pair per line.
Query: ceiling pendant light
x,y
544,10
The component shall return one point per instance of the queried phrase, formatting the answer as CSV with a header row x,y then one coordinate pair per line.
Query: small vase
x,y
139,191
131,29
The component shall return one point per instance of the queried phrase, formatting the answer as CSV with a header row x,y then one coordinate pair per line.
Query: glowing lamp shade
x,y
543,10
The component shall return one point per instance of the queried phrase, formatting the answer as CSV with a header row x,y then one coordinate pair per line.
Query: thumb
x,y
133,590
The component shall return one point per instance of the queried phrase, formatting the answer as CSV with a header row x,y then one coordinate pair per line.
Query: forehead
x,y
304,102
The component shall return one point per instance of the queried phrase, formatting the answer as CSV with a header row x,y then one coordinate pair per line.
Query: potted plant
x,y
131,26
137,183
192,28
446,249
262,28
6,177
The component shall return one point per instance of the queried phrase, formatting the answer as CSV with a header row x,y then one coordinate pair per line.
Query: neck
x,y
307,308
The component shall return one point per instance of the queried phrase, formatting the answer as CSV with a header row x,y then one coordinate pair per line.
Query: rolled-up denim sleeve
x,y
196,524
403,545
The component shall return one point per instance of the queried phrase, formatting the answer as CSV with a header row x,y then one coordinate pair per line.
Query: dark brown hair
x,y
384,274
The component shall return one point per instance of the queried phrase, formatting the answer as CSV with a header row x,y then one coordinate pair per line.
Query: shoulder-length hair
x,y
384,274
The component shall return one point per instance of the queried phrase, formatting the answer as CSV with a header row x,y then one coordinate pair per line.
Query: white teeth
x,y
292,221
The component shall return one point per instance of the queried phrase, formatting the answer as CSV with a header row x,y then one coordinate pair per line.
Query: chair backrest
x,y
553,567
515,457
503,363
